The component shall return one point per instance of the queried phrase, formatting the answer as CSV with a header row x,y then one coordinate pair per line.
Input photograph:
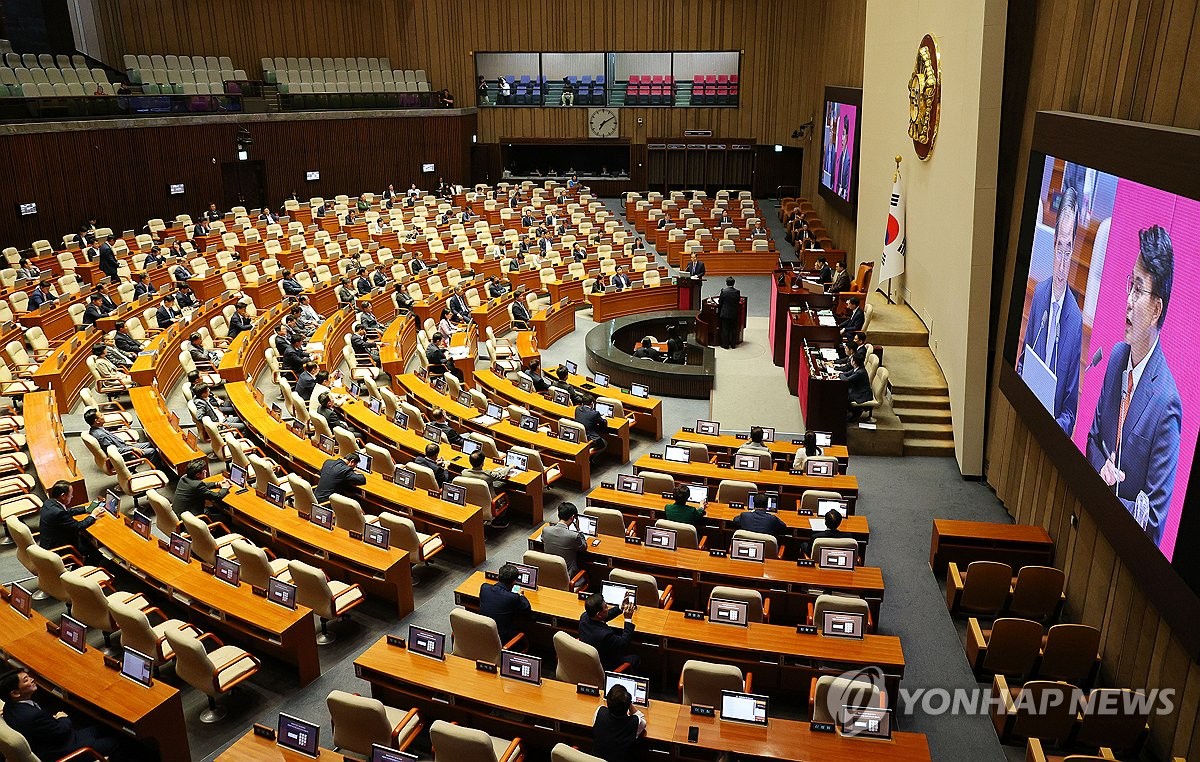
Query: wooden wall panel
x,y
120,175
1126,59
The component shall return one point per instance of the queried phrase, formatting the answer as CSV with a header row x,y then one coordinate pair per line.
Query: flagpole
x,y
888,293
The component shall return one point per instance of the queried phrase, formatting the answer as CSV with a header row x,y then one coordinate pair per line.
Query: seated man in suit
x,y
95,310
338,476
841,280
291,286
166,314
200,354
208,406
620,281
362,284
213,214
367,319
647,351
437,420
240,321
41,294
105,439
379,279
534,371
854,322
434,463
504,603
362,345
856,346
762,521
142,287
610,643
195,494
438,354
725,220
823,272
333,414
593,423
460,311
307,381
58,523
124,342
496,287
57,735
860,388
833,520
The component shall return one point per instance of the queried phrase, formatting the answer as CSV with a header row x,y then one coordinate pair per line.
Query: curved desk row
x,y
48,451
609,350
782,450
176,447
789,486
633,301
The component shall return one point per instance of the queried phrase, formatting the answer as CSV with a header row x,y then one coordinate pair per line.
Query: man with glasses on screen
x,y
1055,327
1134,439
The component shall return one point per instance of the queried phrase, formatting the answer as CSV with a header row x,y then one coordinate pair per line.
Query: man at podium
x,y
695,268
1049,361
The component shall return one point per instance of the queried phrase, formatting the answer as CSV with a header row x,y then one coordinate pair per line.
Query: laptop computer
x,y
494,415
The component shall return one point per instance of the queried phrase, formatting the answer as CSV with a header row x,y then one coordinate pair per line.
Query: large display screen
x,y
839,146
1104,340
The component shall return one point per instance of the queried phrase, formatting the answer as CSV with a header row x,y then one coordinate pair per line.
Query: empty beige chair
x,y
454,743
139,634
609,521
686,535
829,694
131,483
359,722
578,662
735,491
88,603
563,753
764,458
552,571
1009,648
480,492
205,546
348,514
421,547
214,673
50,569
22,537
258,566
165,518
701,682
329,599
757,609
847,543
647,593
655,483
982,589
697,451
770,542
476,636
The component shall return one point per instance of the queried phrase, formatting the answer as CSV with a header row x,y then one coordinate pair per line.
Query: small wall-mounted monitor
x,y
520,666
454,493
175,189
843,624
227,570
137,666
180,547
312,175
429,168
26,209
72,633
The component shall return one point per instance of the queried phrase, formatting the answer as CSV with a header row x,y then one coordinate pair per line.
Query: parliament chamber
x,y
419,380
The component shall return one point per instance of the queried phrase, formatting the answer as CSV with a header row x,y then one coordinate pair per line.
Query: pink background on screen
x,y
849,112
1138,207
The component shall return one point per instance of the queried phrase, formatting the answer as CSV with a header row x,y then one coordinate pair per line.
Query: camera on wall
x,y
244,141
803,132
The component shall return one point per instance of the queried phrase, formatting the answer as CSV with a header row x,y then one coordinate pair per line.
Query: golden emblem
x,y
924,98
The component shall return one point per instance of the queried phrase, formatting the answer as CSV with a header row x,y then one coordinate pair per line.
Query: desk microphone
x,y
1042,327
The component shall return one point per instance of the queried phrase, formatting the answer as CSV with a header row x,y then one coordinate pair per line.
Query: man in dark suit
x,y
212,214
200,229
333,414
437,354
762,521
860,387
841,279
853,322
268,217
1054,331
647,351
620,281
593,423
695,267
729,307
166,314
338,475
108,259
857,346
296,357
142,287
291,286
209,407
503,604
240,321
435,464
527,220
57,522
459,309
378,278
362,346
195,495
1134,439
41,294
610,643
362,284
844,164
55,736
307,381
124,342
95,310
833,520
520,315
823,272
725,220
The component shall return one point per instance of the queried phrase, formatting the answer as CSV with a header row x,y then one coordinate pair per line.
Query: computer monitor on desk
x,y
824,438
605,409
281,593
748,550
601,379
697,493
727,611
639,390
768,433
426,642
516,460
237,475
616,593
527,576
275,495
180,547
299,735
227,570
380,753
137,666
826,505
708,428
72,633
766,500
865,722
843,624
743,462
572,367
663,539
820,468
841,559
744,707
469,446
638,687
676,454
21,600
629,483
520,666
587,524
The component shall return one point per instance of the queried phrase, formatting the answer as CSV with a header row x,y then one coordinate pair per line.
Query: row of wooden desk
x,y
790,486
632,301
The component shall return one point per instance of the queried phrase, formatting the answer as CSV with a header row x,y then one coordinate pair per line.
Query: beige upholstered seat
x,y
404,535
647,593
563,753
205,546
735,491
552,571
88,603
329,599
139,634
214,673
758,610
476,636
609,521
686,535
50,569
577,661
829,694
455,743
359,722
701,682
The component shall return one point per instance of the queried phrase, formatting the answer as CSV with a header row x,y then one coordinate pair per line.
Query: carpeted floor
x,y
900,496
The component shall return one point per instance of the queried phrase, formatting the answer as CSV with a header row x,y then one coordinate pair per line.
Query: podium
x,y
689,292
708,326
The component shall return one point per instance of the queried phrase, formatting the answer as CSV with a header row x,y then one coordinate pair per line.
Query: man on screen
x,y
1134,439
843,175
1055,327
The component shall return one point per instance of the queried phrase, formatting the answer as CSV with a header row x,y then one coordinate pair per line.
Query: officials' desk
x,y
553,712
965,541
785,296
571,457
461,525
631,301
525,488
162,428
252,748
254,622
384,573
48,450
645,509
552,323
152,715
65,369
790,486
694,573
646,411
550,411
782,451
824,395
781,659
805,330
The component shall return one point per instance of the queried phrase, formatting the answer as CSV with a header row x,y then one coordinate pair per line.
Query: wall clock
x,y
924,98
602,123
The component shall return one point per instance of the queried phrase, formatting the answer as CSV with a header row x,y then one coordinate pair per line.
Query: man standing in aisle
x,y
728,311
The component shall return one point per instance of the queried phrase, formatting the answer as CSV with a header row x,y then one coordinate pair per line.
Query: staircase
x,y
925,413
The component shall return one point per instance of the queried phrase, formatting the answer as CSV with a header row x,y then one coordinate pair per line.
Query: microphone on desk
x,y
1042,327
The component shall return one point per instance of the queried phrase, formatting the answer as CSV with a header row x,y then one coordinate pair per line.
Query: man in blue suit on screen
x,y
1134,440
1055,326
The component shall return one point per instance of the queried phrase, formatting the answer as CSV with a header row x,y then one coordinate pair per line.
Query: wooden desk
x,y
153,715
493,313
256,623
572,458
570,289
631,301
549,411
965,541
782,451
48,450
694,573
824,397
542,715
251,748
644,510
461,526
381,573
160,359
790,486
551,324
162,428
646,411
781,659
527,488
264,293
65,369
